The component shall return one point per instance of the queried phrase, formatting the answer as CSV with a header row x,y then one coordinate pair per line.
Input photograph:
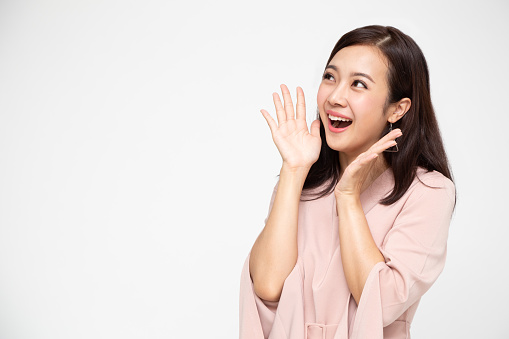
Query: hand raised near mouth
x,y
298,146
364,167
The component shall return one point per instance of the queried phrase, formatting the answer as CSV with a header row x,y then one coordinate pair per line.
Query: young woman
x,y
353,259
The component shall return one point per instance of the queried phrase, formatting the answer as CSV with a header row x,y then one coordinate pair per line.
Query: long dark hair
x,y
421,143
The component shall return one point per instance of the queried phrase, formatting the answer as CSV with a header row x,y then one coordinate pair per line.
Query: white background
x,y
136,169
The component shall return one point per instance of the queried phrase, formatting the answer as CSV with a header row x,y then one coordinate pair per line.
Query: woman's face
x,y
354,88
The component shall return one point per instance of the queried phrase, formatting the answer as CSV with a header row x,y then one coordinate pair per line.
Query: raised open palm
x,y
297,146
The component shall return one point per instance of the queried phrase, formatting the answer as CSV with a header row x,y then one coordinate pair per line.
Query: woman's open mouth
x,y
338,124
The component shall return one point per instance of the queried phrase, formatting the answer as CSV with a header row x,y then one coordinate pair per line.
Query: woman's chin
x,y
336,146
334,143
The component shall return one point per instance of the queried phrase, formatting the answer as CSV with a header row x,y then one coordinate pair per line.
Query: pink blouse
x,y
316,303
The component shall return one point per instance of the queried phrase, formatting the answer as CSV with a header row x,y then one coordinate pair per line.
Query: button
x,y
320,331
315,331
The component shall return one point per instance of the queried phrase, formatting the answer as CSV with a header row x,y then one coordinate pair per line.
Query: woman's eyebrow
x,y
363,75
353,74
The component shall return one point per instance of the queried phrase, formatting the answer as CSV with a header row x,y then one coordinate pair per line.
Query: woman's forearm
x,y
359,252
274,252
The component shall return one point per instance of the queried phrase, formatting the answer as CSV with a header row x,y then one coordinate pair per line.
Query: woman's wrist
x,y
347,197
294,171
293,176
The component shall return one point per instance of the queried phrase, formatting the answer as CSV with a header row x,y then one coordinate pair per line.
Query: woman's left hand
x,y
354,176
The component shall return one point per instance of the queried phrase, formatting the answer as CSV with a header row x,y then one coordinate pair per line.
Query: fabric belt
x,y
320,331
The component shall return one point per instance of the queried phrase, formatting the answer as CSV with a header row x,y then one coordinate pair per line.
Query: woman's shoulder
x,y
432,180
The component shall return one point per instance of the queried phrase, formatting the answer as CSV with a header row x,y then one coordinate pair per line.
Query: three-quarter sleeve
x,y
414,251
256,315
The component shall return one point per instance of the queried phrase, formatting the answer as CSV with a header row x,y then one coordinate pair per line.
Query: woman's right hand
x,y
298,147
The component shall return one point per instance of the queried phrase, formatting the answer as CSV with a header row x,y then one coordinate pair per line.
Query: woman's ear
x,y
399,109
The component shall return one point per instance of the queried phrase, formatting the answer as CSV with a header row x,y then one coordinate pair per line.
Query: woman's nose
x,y
338,97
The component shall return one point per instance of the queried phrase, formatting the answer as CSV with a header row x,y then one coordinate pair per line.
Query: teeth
x,y
332,117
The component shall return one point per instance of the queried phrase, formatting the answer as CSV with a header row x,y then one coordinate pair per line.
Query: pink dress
x,y
316,303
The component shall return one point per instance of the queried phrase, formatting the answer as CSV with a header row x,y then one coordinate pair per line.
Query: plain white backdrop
x,y
136,168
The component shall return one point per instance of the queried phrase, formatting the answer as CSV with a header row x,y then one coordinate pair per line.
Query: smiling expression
x,y
354,90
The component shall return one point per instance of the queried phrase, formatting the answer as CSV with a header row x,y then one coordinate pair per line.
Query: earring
x,y
394,148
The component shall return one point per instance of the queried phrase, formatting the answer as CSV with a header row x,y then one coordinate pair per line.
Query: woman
x,y
354,260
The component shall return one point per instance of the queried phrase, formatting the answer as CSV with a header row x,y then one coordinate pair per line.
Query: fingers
x,y
286,112
315,128
301,104
374,151
356,173
280,111
386,141
272,124
290,114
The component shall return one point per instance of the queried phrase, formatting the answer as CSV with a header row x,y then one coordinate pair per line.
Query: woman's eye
x,y
356,83
328,76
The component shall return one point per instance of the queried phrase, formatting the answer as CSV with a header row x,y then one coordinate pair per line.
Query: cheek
x,y
364,105
321,96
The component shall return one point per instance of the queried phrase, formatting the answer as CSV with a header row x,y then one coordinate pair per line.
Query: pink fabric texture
x,y
316,303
